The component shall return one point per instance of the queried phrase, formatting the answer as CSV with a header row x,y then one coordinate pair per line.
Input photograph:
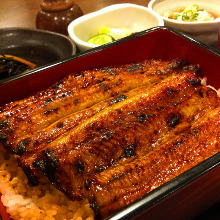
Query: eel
x,y
116,133
27,149
130,127
77,92
118,186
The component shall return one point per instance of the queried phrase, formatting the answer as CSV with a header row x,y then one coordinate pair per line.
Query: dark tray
x,y
185,196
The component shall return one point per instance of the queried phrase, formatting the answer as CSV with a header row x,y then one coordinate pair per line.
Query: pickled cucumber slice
x,y
101,39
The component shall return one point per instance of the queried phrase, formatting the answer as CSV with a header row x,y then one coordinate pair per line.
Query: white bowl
x,y
123,16
206,31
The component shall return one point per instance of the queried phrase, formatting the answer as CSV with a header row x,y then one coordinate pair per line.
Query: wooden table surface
x,y
22,13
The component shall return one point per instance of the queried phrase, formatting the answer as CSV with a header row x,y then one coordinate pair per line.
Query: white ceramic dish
x,y
206,31
123,16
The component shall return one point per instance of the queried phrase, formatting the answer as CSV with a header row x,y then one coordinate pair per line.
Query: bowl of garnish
x,y
110,24
198,18
23,49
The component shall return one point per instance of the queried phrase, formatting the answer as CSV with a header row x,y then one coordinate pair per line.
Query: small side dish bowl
x,y
131,17
204,31
37,46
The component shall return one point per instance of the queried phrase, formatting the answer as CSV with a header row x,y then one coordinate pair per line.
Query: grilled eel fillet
x,y
118,186
124,131
40,140
74,93
113,137
28,153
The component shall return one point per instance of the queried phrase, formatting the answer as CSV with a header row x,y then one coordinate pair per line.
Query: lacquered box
x,y
188,194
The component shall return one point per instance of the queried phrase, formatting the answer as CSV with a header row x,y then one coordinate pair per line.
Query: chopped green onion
x,y
176,17
189,13
196,6
195,16
185,17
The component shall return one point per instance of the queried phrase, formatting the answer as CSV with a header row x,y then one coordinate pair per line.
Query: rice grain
x,y
33,203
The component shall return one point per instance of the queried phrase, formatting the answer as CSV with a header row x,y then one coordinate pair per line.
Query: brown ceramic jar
x,y
55,15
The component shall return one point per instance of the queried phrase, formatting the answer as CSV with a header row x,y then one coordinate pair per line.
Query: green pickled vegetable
x,y
101,39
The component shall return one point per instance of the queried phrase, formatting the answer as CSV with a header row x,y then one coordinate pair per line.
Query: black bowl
x,y
37,46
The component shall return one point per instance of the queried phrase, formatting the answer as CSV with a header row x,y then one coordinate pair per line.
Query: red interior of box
x,y
156,44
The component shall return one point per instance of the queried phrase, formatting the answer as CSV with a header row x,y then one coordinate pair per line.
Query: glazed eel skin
x,y
127,101
120,135
120,185
114,134
20,120
127,130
